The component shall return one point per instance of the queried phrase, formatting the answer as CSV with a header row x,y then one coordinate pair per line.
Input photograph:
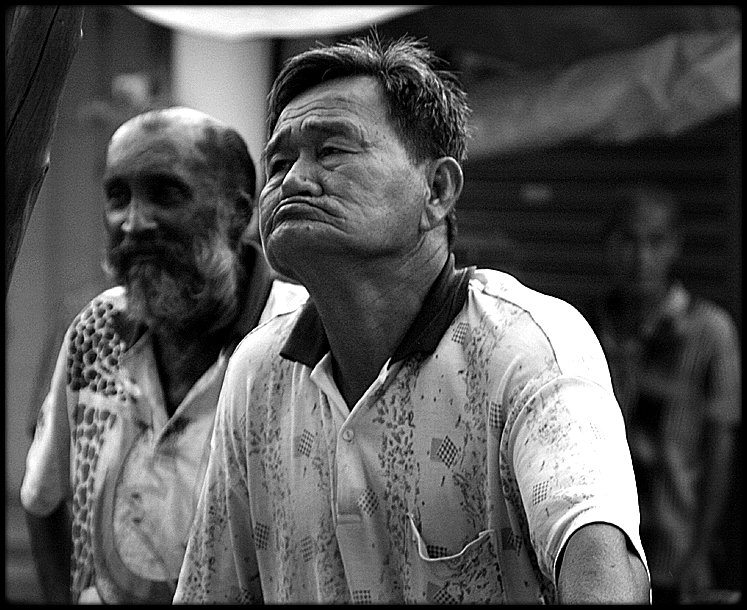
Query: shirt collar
x,y
307,342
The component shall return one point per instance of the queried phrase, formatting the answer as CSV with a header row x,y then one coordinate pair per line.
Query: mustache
x,y
165,254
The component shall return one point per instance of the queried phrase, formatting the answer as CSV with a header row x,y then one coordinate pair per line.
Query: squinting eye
x,y
279,165
326,151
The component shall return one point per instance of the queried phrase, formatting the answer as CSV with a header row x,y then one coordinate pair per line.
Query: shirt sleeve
x,y
220,565
725,371
573,466
568,445
46,481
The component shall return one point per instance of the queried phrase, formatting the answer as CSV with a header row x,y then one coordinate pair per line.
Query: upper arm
x,y
600,565
724,370
46,481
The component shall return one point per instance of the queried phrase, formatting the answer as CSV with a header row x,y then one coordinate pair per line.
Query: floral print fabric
x,y
457,477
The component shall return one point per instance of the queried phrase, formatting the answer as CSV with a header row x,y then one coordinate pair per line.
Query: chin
x,y
286,250
284,269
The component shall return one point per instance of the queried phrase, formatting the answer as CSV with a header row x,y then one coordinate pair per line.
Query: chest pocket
x,y
471,576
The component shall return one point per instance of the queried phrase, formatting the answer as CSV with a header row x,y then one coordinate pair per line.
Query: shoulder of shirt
x,y
550,322
115,295
557,320
506,287
104,311
113,298
714,318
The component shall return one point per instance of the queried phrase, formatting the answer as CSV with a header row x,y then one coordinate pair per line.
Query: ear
x,y
247,212
445,181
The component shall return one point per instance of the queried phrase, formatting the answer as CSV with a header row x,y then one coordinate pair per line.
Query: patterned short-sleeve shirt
x,y
488,438
104,443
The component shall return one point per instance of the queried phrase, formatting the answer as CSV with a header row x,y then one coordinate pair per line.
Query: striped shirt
x,y
679,372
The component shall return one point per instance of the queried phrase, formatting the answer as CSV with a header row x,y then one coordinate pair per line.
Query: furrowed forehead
x,y
314,127
344,107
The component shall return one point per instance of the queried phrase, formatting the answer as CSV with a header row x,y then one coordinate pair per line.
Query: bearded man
x,y
122,438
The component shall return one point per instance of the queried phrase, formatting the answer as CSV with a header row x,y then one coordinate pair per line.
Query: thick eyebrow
x,y
315,127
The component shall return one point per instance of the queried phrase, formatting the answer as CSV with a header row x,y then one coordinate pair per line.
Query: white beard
x,y
202,299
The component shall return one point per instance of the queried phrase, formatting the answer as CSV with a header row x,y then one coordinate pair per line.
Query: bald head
x,y
215,147
174,116
198,151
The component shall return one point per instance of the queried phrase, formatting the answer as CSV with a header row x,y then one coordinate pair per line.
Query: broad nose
x,y
301,179
139,217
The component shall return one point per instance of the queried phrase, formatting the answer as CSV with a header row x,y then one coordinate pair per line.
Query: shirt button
x,y
348,434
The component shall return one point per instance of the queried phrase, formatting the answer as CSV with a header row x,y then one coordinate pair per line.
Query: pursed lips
x,y
295,207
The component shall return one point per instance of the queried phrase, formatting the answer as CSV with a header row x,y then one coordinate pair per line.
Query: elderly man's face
x,y
339,180
165,215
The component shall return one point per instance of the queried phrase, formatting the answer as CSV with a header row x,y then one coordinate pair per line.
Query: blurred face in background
x,y
166,219
643,248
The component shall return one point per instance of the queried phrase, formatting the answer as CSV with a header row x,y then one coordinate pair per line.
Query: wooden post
x,y
42,44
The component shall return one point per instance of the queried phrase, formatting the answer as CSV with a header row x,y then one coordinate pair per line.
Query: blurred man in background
x,y
675,363
123,435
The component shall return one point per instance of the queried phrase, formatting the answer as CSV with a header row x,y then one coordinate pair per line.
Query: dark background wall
x,y
540,214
